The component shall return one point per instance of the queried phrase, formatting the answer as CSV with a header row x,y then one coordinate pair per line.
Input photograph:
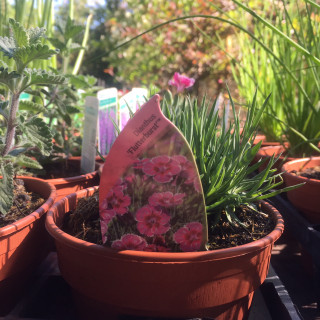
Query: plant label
x,y
108,99
88,153
133,100
151,197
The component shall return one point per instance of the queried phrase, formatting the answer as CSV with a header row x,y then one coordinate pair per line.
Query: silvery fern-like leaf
x,y
31,106
38,133
35,34
58,44
19,33
6,187
25,161
40,77
25,55
8,78
8,46
71,29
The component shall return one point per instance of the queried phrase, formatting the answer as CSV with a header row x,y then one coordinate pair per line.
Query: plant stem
x,y
11,126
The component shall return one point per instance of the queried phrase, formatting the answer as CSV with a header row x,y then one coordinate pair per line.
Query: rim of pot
x,y
74,242
35,215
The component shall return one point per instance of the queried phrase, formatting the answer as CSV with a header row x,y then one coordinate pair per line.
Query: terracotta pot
x,y
23,245
267,152
307,197
69,185
106,283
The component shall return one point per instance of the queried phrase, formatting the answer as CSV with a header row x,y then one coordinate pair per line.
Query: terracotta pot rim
x,y
286,169
35,215
278,149
179,257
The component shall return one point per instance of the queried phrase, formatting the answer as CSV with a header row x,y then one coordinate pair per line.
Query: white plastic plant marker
x,y
150,196
88,151
108,99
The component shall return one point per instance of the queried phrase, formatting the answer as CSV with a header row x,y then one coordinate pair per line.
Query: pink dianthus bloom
x,y
151,221
189,237
166,199
181,82
130,242
162,168
116,201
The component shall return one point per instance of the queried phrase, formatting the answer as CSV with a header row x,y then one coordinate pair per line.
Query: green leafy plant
x,y
21,131
290,47
224,154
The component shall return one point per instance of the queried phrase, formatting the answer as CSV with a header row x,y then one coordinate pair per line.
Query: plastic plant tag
x,y
150,196
88,150
134,99
108,99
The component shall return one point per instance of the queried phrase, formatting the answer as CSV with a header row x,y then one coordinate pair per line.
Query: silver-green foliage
x,y
224,154
22,131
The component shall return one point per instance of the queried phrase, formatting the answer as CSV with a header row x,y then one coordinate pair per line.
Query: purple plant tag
x,y
151,197
107,113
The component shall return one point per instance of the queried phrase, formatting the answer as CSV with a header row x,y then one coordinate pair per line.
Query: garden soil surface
x,y
84,223
311,173
24,203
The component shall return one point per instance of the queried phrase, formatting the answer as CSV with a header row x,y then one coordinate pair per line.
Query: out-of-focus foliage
x,y
154,57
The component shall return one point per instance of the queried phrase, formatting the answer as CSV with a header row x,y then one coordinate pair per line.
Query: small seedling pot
x,y
65,186
23,244
307,197
108,283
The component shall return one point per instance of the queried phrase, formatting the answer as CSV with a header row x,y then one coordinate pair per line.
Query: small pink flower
x,y
189,237
151,221
116,201
181,82
162,168
187,170
166,199
129,242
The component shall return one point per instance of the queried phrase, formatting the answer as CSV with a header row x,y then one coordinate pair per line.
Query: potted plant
x,y
304,170
286,58
213,283
63,112
297,92
24,200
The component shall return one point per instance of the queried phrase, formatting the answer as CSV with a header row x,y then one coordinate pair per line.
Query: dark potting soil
x,y
311,173
58,169
24,203
84,223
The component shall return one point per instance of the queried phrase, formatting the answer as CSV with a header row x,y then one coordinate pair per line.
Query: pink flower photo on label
x,y
166,199
151,221
162,168
117,201
130,242
181,82
189,237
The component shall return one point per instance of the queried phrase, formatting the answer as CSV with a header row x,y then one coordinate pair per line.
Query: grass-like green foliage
x,y
22,131
286,63
224,154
